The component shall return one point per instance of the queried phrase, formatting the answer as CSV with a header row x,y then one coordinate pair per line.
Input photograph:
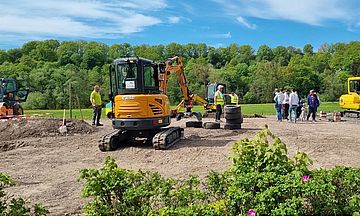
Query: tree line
x,y
53,69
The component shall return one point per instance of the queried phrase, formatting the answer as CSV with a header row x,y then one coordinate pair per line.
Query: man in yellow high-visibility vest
x,y
234,99
95,99
219,101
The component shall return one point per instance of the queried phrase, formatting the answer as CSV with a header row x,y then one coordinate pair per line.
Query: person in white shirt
x,y
293,103
279,98
286,104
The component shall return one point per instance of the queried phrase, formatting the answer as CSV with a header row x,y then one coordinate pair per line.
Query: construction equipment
x,y
207,102
351,100
140,106
175,65
108,110
10,98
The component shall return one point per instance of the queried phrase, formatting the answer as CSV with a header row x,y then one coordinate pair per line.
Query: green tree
x,y
266,76
14,55
174,49
3,56
198,73
308,49
120,50
70,52
334,85
95,54
45,51
281,55
302,75
264,53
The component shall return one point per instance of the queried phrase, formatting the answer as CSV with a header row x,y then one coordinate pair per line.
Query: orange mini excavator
x,y
10,98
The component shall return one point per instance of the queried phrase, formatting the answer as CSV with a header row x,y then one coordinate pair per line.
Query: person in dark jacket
x,y
313,102
299,108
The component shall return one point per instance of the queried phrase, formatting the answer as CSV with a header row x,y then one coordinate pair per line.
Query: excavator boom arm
x,y
175,65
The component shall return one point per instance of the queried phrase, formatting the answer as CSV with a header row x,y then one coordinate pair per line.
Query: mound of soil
x,y
24,128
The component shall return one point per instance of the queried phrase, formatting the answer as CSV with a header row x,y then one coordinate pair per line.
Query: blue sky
x,y
214,22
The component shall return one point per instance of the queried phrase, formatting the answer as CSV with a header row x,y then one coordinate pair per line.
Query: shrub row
x,y
262,180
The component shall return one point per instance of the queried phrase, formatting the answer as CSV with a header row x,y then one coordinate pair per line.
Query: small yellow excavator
x,y
351,100
140,107
207,103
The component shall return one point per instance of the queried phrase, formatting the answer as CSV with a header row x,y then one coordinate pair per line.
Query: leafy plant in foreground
x,y
16,206
262,180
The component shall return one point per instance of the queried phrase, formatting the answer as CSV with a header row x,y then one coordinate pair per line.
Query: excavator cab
x,y
351,101
134,76
354,86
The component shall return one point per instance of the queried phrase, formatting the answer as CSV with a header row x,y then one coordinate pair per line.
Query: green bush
x,y
262,180
36,100
251,98
10,206
117,191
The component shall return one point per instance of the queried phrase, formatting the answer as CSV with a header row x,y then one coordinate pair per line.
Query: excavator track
x,y
111,141
167,137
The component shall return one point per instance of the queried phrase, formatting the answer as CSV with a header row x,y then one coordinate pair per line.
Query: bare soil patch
x,y
13,133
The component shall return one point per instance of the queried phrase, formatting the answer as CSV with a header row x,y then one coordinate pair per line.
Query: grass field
x,y
247,109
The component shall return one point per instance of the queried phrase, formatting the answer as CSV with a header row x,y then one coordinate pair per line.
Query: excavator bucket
x,y
198,115
181,115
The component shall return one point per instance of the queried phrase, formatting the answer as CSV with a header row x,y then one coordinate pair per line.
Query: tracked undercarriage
x,y
162,138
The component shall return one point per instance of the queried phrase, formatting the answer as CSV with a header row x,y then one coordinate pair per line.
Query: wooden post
x,y
78,101
70,100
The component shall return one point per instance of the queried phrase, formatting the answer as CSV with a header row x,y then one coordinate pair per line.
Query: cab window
x,y
355,86
151,79
10,86
127,74
149,76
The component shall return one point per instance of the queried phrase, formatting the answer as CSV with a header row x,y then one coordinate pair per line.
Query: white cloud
x,y
245,23
223,35
77,18
135,23
45,26
313,12
174,19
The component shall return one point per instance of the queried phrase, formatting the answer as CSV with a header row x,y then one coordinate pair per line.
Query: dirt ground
x,y
46,166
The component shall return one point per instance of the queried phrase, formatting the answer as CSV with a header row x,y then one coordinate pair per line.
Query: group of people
x,y
289,106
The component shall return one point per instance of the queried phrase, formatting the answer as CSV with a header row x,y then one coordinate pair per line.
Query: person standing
x,y
286,104
234,99
293,104
313,102
219,101
95,99
299,108
279,98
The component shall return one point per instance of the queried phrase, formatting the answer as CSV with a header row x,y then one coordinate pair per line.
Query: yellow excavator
x,y
140,107
351,100
207,103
